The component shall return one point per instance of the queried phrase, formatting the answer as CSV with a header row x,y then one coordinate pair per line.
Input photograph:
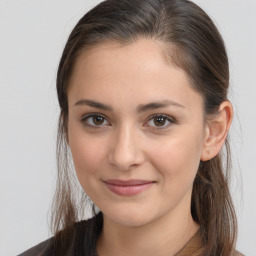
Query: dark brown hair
x,y
189,40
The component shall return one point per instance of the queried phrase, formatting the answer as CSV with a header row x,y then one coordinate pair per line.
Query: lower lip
x,y
125,190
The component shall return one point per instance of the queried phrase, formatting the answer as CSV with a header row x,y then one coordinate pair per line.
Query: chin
x,y
129,218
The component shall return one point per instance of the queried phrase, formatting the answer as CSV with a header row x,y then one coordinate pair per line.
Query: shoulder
x,y
38,250
82,236
237,253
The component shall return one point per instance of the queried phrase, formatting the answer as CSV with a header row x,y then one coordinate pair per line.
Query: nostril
x,y
125,152
125,160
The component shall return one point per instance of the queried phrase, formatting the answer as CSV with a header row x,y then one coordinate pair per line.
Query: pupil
x,y
98,120
159,121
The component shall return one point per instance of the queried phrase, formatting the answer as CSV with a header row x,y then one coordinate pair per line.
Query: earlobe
x,y
216,131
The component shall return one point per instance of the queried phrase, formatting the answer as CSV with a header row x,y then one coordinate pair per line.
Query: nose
x,y
125,151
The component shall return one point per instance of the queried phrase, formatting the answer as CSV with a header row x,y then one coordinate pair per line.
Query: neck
x,y
164,236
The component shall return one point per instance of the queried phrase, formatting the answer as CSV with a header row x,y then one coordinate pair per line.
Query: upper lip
x,y
128,182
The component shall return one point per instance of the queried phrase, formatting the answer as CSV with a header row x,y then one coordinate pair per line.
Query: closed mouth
x,y
128,187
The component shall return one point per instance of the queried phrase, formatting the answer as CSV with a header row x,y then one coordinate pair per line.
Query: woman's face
x,y
136,132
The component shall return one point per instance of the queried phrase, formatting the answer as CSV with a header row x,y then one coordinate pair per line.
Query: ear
x,y
217,128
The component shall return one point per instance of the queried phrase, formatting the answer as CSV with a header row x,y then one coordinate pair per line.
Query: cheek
x,y
87,153
176,163
88,158
177,159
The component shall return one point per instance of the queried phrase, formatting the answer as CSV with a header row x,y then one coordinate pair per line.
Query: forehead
x,y
110,56
129,72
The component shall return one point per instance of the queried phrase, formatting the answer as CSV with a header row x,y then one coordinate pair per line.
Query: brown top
x,y
37,250
193,247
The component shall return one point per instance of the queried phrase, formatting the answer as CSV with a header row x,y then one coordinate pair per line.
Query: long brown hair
x,y
189,40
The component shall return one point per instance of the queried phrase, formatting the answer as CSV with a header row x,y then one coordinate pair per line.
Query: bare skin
x,y
127,142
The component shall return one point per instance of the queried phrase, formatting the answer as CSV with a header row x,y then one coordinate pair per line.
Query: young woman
x,y
142,87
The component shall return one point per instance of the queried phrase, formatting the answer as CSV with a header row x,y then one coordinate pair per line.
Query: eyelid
x,y
87,116
168,118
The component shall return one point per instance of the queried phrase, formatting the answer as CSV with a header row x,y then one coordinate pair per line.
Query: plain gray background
x,y
32,37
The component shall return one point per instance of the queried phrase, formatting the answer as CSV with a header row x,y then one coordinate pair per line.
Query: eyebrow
x,y
141,108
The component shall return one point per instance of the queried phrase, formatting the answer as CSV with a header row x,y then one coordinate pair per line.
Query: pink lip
x,y
128,187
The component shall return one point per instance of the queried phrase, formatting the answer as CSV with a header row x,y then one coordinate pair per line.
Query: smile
x,y
129,187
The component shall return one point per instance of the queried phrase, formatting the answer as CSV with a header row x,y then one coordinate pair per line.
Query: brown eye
x,y
94,121
159,121
98,120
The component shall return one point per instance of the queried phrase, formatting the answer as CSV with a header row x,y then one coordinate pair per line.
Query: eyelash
x,y
166,118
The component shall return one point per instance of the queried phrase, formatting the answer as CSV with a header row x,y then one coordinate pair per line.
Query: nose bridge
x,y
125,150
